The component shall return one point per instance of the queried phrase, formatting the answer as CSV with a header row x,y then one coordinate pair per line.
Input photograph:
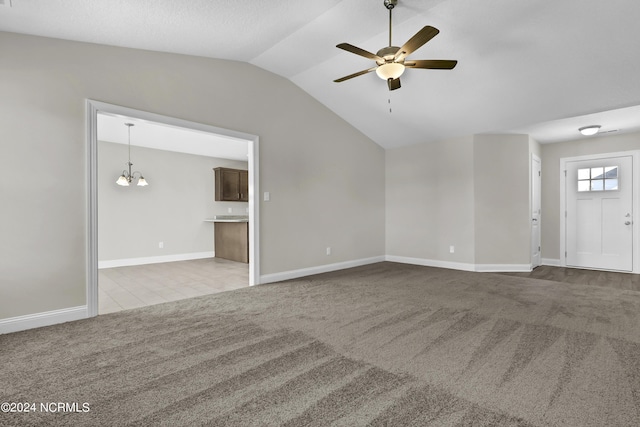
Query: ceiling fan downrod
x,y
390,4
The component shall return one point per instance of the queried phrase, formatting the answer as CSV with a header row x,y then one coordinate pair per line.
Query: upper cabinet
x,y
232,185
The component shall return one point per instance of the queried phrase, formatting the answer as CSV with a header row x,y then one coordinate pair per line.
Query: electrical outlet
x,y
328,250
267,196
452,249
230,210
161,245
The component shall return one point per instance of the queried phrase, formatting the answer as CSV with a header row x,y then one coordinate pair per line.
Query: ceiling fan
x,y
390,60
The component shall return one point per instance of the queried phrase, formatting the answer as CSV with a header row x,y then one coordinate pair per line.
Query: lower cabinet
x,y
231,241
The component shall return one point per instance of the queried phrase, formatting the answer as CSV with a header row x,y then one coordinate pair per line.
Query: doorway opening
x,y
599,203
97,112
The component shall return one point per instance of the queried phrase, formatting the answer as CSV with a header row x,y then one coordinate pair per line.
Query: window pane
x,y
597,173
583,185
583,174
597,185
611,184
611,172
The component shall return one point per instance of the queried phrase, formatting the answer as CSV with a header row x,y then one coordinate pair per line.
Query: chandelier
x,y
127,176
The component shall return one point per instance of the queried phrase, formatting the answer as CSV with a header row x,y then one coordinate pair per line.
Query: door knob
x,y
627,223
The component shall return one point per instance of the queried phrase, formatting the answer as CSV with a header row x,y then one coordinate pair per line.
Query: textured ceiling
x,y
540,67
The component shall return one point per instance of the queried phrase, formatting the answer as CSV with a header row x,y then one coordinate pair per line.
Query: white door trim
x,y
92,109
532,201
635,154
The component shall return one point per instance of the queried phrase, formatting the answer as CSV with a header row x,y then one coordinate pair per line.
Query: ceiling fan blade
x,y
350,76
432,64
421,37
393,83
353,49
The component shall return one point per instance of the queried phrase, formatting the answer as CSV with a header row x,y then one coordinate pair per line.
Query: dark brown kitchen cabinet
x,y
231,185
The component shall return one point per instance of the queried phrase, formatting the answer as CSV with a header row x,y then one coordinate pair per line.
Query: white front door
x,y
599,216
536,186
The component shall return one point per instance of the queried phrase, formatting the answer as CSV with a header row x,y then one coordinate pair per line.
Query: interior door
x,y
536,186
599,217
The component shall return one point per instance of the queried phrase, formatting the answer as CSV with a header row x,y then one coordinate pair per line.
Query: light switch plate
x,y
267,196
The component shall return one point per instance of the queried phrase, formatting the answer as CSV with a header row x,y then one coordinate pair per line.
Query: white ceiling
x,y
144,133
538,66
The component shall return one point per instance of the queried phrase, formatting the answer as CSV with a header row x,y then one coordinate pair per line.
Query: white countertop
x,y
228,218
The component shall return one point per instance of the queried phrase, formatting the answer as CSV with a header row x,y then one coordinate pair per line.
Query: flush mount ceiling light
x,y
127,176
589,130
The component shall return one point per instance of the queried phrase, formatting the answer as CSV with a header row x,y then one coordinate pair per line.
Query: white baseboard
x,y
154,259
294,274
503,268
460,265
37,320
431,263
551,261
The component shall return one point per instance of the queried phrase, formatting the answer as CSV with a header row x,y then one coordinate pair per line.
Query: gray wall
x,y
133,220
471,193
551,155
326,178
429,190
502,200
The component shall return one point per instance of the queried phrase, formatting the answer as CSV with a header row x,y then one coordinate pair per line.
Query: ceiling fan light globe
x,y
390,70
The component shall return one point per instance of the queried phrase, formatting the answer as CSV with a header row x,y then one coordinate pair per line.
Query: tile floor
x,y
122,288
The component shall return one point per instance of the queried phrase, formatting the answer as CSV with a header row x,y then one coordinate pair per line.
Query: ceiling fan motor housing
x,y
388,53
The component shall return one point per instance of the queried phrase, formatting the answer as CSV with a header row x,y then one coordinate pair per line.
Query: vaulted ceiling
x,y
537,66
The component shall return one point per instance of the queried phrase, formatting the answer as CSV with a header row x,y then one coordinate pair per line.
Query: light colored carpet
x,y
380,345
